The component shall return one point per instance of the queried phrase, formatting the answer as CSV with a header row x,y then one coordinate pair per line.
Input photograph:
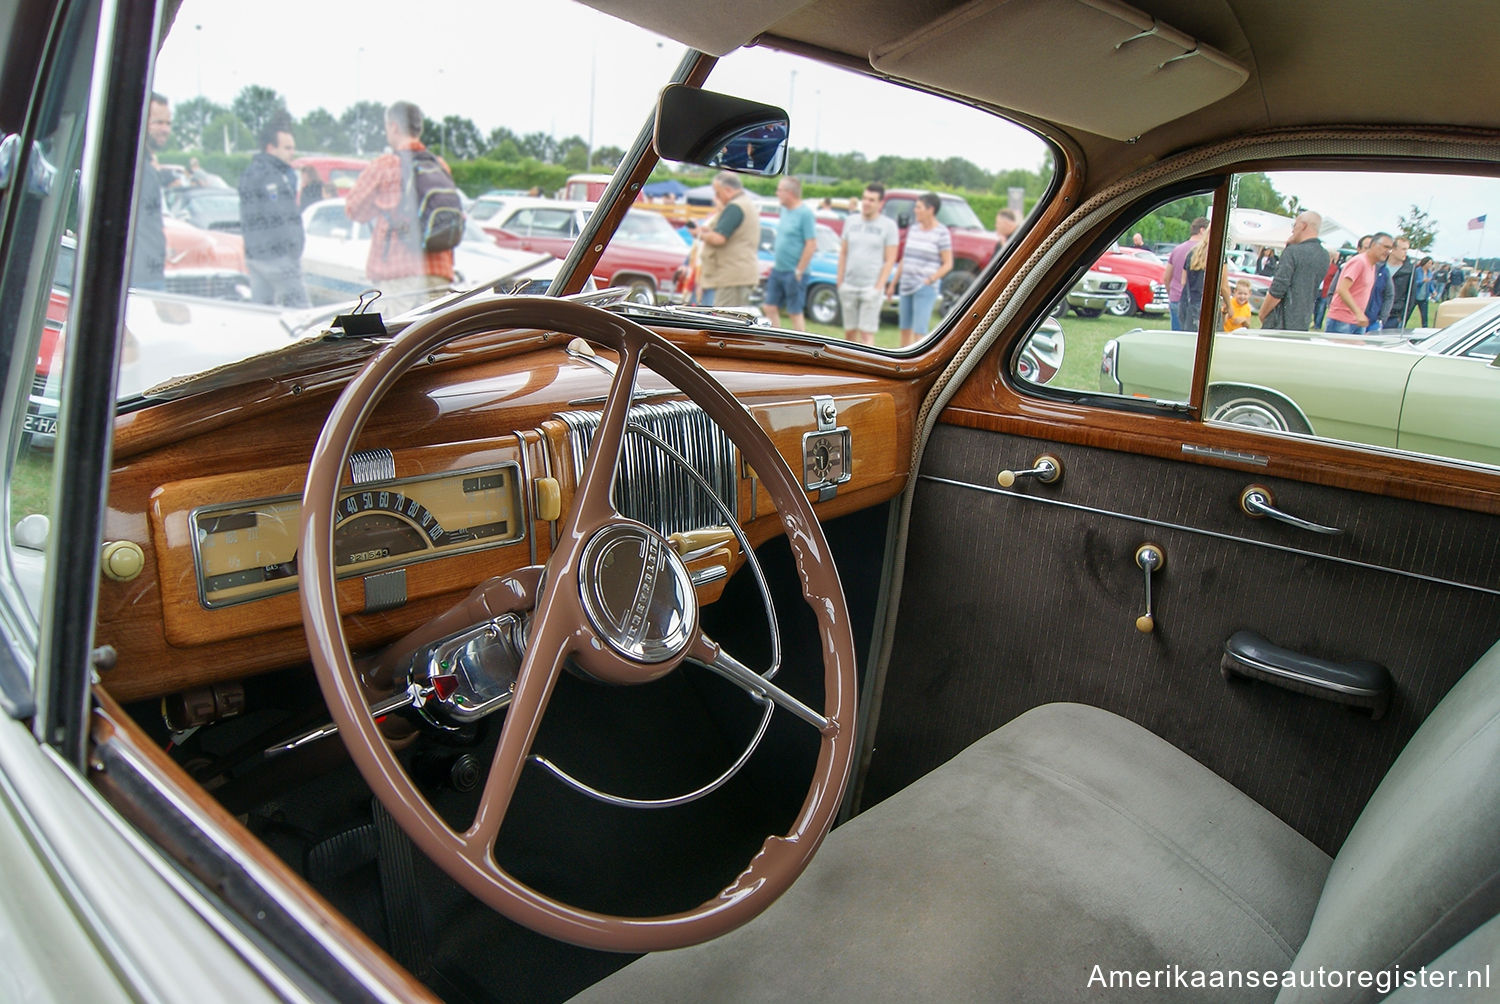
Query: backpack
x,y
432,200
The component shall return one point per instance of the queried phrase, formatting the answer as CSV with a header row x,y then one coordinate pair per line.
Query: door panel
x,y
1014,598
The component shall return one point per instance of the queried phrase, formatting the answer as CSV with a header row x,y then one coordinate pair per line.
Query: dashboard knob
x,y
122,560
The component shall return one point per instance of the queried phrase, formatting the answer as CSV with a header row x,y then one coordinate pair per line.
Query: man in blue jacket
x,y
271,222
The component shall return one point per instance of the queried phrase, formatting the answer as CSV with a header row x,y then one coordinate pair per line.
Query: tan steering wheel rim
x,y
467,857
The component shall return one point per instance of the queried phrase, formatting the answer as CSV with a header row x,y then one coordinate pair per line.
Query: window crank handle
x,y
1151,558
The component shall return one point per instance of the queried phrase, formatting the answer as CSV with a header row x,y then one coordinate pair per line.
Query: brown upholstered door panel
x,y
1014,598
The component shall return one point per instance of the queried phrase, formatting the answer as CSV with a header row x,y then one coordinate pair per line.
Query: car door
x,y
1069,545
551,230
1452,403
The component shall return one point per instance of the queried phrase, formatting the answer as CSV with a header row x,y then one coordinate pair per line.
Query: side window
x,y
1354,307
519,222
1143,288
899,209
1370,317
330,221
37,278
1487,348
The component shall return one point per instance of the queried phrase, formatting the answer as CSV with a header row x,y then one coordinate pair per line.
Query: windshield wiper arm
x,y
732,315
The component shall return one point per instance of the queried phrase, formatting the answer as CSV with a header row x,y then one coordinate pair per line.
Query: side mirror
x,y
720,130
903,220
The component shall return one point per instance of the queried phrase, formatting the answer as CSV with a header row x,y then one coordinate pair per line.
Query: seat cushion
x,y
1067,840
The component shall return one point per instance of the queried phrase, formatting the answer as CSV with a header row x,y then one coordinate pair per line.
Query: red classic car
x,y
1142,273
644,256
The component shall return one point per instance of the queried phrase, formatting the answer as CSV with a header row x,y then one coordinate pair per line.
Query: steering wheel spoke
x,y
710,655
593,503
540,668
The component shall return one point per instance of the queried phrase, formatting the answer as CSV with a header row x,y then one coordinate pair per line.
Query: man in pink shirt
x,y
1346,314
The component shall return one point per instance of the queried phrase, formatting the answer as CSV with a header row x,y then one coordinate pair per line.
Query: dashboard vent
x,y
652,486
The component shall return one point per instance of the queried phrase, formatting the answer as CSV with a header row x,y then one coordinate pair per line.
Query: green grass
x,y
1083,344
31,483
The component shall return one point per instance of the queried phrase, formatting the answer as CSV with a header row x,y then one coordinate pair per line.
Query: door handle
x,y
1257,503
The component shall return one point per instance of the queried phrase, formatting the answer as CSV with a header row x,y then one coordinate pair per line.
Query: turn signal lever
x,y
1151,558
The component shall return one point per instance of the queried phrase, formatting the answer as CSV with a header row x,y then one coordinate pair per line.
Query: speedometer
x,y
246,550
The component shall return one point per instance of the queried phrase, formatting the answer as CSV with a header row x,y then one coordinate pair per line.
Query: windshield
x,y
273,198
956,213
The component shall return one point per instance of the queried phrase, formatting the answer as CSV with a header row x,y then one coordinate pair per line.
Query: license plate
x,y
41,425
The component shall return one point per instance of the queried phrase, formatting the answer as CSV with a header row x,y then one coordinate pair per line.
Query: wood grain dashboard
x,y
472,412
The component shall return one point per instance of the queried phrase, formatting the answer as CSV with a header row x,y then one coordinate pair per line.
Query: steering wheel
x,y
614,597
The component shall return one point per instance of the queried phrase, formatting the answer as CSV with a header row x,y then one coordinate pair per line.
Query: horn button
x,y
638,595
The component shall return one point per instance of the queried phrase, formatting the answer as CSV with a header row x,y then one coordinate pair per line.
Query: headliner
x,y
1310,62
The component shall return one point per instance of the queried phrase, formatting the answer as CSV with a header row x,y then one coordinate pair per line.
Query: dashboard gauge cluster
x,y
245,550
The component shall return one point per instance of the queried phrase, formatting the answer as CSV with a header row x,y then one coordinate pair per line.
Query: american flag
x,y
1477,223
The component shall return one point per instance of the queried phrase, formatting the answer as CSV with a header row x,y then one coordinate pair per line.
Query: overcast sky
x,y
542,66
1365,203
558,67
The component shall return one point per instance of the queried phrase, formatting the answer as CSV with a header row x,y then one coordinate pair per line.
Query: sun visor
x,y
716,29
1121,72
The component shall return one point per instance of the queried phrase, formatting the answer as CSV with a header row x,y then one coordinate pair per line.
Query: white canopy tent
x,y
1257,228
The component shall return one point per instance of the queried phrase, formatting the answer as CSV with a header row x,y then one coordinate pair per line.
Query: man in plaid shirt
x,y
397,262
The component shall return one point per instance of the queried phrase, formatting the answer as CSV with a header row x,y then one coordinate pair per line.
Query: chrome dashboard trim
x,y
648,487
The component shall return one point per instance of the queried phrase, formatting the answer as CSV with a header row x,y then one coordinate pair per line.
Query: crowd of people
x,y
873,267
1380,284
272,197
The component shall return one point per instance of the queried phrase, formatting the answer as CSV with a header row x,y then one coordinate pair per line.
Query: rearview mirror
x,y
720,130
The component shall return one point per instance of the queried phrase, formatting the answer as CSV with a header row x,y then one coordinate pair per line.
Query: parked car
x,y
974,243
207,208
337,173
524,648
1142,273
489,205
337,249
1436,392
645,256
1098,292
585,187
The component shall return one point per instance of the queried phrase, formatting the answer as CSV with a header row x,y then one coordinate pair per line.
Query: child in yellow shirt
x,y
1238,314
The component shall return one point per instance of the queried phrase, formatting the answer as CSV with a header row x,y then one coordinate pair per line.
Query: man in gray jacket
x,y
1289,302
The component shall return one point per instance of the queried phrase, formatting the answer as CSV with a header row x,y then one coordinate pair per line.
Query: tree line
x,y
502,158
205,127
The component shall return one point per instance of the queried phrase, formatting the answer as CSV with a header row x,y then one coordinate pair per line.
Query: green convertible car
x,y
1432,391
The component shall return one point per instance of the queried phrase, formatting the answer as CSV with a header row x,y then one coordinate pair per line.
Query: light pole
x,y
202,118
359,110
817,130
446,151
